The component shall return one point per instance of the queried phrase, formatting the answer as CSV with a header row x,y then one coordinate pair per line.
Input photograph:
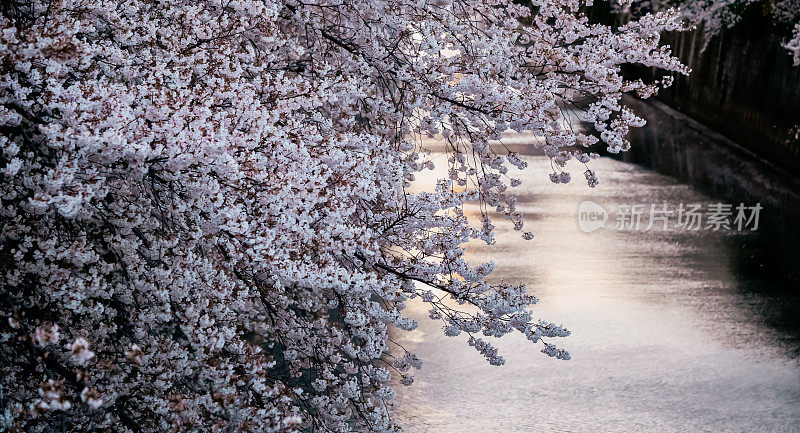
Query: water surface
x,y
666,334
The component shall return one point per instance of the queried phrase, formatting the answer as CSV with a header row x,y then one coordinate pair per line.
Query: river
x,y
667,335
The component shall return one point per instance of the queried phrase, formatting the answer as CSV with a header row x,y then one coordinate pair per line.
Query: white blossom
x,y
91,398
43,335
80,350
211,200
794,45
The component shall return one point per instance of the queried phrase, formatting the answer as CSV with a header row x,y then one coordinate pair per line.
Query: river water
x,y
667,335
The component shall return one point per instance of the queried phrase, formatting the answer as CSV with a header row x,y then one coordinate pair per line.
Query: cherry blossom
x,y
207,219
794,45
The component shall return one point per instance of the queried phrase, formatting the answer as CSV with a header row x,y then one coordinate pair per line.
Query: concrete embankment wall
x,y
743,84
676,145
731,129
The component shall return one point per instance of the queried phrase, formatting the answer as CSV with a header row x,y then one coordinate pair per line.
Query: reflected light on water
x,y
666,335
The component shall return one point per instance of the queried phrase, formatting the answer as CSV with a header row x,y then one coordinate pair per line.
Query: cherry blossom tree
x,y
206,219
717,15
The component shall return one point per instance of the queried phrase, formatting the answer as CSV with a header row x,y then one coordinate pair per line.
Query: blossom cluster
x,y
794,45
205,215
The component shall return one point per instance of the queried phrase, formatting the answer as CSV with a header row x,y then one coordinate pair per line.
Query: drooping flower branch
x,y
206,220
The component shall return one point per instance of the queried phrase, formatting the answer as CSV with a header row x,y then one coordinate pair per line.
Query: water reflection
x,y
666,335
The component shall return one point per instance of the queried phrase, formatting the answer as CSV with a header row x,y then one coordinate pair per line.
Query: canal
x,y
667,334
